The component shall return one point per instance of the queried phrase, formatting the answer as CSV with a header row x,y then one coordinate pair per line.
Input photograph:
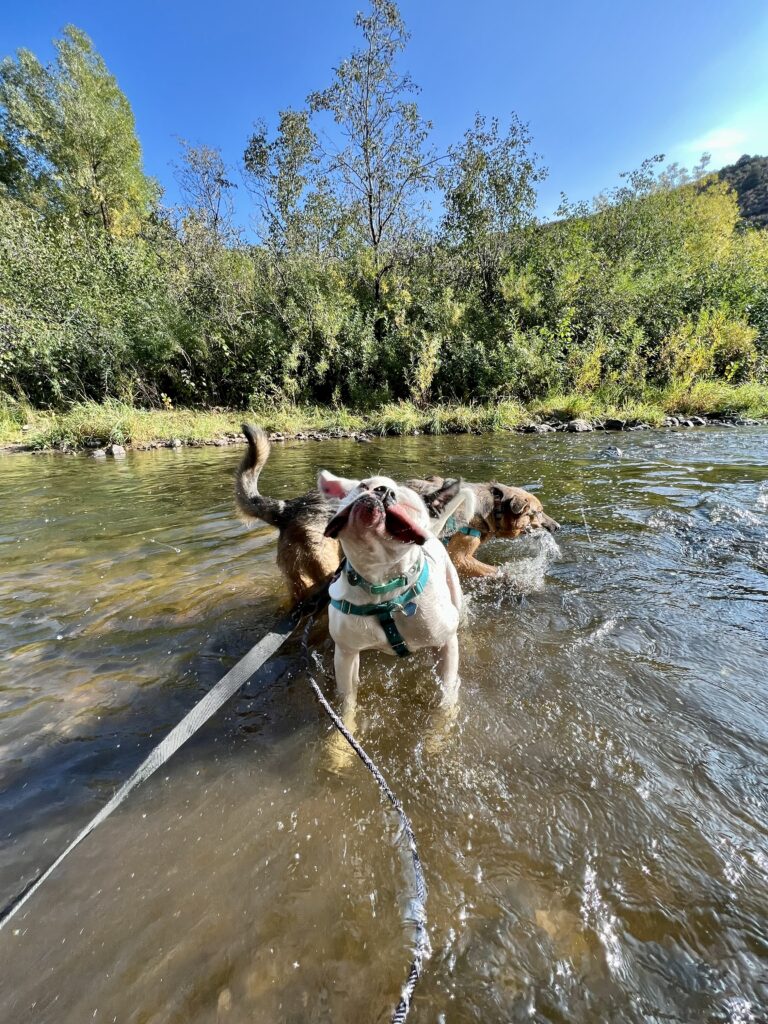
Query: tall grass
x,y
121,423
711,398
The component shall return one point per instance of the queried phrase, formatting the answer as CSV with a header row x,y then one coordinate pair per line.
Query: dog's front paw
x,y
442,726
339,755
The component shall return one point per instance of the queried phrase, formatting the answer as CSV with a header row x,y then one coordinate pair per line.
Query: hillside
x,y
749,178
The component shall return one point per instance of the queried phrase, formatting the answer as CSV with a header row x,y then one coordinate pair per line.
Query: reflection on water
x,y
593,826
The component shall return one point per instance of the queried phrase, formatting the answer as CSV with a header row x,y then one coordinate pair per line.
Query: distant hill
x,y
748,177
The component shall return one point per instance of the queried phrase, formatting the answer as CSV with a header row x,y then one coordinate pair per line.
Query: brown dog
x,y
500,511
305,556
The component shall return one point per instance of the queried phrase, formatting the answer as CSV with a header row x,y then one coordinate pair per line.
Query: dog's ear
x,y
514,503
334,486
337,524
438,499
517,504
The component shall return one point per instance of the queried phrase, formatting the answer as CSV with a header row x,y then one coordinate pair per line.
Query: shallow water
x,y
593,827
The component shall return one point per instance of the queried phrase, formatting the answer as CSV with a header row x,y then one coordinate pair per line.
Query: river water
x,y
593,827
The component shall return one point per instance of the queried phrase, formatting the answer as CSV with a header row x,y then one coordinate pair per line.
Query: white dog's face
x,y
375,508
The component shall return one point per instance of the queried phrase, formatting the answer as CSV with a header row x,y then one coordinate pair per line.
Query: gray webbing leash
x,y
205,708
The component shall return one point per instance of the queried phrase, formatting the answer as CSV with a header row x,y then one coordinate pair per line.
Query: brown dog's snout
x,y
549,523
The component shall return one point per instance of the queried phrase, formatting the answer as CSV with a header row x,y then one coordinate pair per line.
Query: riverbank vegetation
x,y
385,285
87,424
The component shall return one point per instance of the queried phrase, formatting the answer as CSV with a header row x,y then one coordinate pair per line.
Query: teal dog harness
x,y
451,528
404,602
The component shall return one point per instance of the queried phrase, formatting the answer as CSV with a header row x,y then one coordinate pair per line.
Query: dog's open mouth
x,y
395,519
400,526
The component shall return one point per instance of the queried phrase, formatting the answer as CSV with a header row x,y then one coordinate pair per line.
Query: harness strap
x,y
468,531
383,611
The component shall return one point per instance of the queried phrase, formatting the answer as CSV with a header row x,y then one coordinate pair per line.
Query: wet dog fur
x,y
307,558
500,511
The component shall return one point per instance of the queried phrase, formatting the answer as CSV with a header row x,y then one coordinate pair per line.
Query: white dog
x,y
397,591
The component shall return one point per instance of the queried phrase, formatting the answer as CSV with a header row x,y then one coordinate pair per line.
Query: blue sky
x,y
602,84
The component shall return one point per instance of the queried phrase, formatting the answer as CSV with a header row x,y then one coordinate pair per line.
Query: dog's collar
x,y
356,579
497,513
404,603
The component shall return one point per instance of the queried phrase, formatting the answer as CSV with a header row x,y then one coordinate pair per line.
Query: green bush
x,y
711,347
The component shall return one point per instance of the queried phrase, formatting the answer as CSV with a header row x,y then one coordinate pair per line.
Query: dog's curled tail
x,y
251,504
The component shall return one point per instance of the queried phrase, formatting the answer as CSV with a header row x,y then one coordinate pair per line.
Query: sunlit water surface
x,y
593,827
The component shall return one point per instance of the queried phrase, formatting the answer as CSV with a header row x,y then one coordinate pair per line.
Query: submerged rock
x,y
98,453
579,426
116,451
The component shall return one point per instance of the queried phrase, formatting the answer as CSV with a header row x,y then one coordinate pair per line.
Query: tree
x,y
70,138
489,198
282,174
203,180
385,165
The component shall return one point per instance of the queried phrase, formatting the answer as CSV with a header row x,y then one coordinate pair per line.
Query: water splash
x,y
534,555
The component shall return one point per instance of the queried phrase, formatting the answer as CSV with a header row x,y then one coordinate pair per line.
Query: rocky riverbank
x,y
576,426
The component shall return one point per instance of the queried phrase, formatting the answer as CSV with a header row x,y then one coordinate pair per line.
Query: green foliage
x,y
385,163
70,140
489,191
203,178
353,297
294,200
711,347
79,317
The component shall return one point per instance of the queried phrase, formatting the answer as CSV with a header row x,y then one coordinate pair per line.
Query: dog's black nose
x,y
386,494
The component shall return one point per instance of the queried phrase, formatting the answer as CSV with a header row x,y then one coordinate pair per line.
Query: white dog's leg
x,y
442,719
454,587
448,670
347,666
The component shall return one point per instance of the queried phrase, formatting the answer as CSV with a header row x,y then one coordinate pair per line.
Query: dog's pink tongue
x,y
400,526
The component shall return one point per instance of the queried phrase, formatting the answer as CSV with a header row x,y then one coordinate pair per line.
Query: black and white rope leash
x,y
417,905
